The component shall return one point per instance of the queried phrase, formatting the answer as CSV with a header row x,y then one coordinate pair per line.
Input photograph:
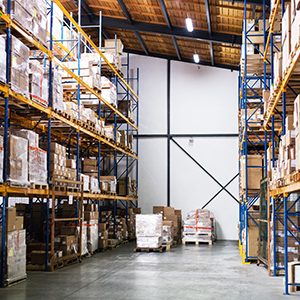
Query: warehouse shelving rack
x,y
252,139
283,199
15,109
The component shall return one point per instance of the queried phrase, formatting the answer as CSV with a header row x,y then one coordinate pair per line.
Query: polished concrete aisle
x,y
185,273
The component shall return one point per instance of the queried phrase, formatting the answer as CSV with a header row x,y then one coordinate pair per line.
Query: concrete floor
x,y
187,272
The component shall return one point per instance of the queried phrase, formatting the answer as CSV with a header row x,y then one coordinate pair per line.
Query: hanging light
x,y
189,24
196,58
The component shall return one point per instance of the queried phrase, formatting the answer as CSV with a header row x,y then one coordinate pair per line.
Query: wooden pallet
x,y
159,249
16,280
39,186
197,242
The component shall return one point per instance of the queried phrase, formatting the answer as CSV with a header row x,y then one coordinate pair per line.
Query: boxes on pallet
x,y
286,38
86,182
91,216
253,234
254,171
38,83
19,67
58,160
3,58
167,232
149,231
18,160
94,185
57,96
131,186
109,93
113,45
39,20
16,255
199,225
103,236
108,184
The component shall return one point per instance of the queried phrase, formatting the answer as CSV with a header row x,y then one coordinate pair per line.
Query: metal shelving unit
x,y
79,138
253,140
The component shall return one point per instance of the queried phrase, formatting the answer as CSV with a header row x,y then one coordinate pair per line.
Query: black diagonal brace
x,y
202,168
212,198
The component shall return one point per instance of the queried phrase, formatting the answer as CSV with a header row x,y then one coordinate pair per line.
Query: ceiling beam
x,y
136,32
165,30
168,21
211,48
257,2
175,58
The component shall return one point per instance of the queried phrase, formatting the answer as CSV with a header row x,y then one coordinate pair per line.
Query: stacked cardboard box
x,y
57,95
37,158
113,52
108,91
199,226
103,236
38,83
108,184
171,217
58,160
125,107
19,67
3,58
254,170
131,222
18,160
286,38
91,216
15,247
131,186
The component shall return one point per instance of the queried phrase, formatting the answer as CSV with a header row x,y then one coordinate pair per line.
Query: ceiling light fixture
x,y
189,24
196,58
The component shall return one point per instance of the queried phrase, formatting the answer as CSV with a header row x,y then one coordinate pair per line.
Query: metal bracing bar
x,y
202,168
187,135
208,18
213,197
165,30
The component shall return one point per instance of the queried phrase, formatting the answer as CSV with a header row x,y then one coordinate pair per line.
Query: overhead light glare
x,y
196,58
189,24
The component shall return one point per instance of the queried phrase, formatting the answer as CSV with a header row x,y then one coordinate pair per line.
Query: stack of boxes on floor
x,y
149,231
172,223
91,217
16,246
199,226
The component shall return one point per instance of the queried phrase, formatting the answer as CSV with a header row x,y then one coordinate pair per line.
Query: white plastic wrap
x,y
39,20
148,242
167,234
18,160
110,94
94,185
16,255
199,221
2,58
19,67
92,236
86,182
84,249
58,102
148,225
37,166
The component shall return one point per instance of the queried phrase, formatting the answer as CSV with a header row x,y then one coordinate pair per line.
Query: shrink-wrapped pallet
x,y
39,20
92,236
149,225
110,94
84,244
58,102
148,242
18,160
94,185
3,58
19,67
16,255
167,234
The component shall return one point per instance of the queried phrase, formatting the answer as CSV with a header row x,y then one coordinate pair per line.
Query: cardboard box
x,y
11,218
158,209
254,173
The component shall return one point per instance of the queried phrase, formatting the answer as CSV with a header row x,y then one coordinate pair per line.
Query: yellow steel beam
x,y
283,86
271,29
82,32
294,187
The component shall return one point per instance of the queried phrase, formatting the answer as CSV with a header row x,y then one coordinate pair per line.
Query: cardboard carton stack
x,y
18,160
286,38
254,170
103,236
37,158
38,83
131,221
57,95
90,168
149,231
16,246
19,67
108,91
3,58
253,233
58,160
125,107
108,184
91,216
113,52
173,218
199,226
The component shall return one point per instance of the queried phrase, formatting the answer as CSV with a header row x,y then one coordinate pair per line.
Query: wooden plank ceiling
x,y
214,17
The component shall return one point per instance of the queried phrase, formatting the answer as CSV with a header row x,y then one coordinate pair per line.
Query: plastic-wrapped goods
x,y
37,165
109,183
84,249
39,20
18,160
94,185
58,17
149,225
38,83
110,94
16,255
167,234
21,12
31,136
2,58
1,158
58,102
149,242
19,67
109,131
92,236
86,182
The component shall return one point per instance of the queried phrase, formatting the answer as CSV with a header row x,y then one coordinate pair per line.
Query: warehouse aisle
x,y
186,273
